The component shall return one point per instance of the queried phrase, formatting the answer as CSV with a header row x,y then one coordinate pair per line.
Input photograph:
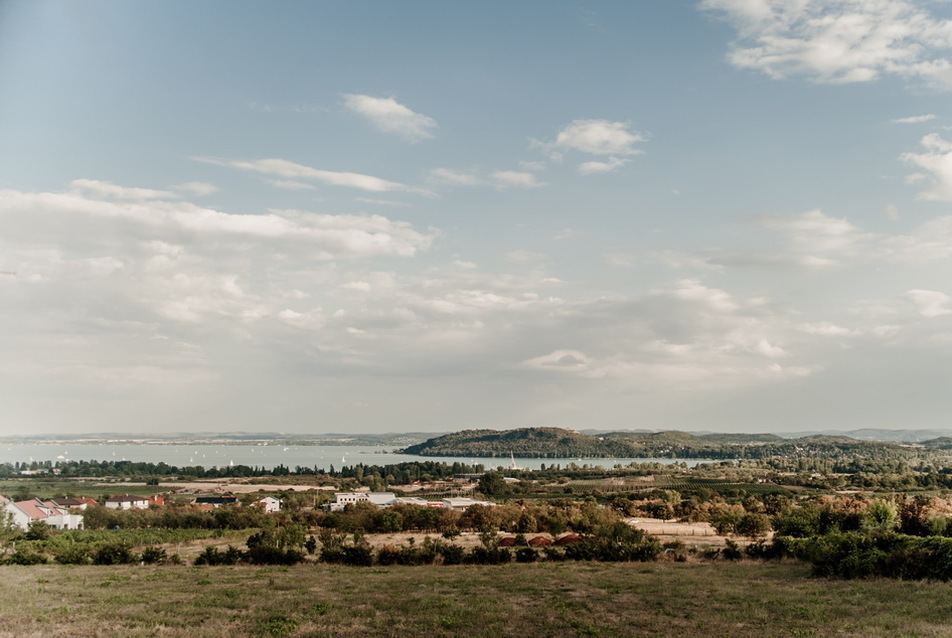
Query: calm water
x,y
269,456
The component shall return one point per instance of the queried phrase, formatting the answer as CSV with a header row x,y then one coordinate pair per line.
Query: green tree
x,y
753,525
881,516
38,531
492,484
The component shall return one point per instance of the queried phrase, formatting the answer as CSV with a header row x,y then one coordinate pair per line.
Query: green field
x,y
568,599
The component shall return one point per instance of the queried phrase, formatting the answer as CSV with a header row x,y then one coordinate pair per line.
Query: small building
x,y
461,503
127,502
269,504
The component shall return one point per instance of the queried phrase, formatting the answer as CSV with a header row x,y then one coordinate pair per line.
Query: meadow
x,y
738,600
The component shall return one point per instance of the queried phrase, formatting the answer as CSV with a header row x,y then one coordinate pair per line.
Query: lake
x,y
270,456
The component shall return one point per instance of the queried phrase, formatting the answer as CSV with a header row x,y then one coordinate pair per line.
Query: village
x,y
66,513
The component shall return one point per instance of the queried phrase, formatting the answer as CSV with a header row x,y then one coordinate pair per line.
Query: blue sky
x,y
327,216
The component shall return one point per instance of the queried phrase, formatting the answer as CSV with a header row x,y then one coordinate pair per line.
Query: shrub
x,y
27,557
357,555
154,556
488,556
731,550
451,554
553,553
526,555
265,555
212,556
73,554
114,554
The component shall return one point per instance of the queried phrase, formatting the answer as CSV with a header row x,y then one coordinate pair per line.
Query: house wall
x,y
65,521
17,516
127,505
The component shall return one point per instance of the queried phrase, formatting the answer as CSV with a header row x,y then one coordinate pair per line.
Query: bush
x,y
526,555
74,554
357,555
764,551
154,556
265,555
488,556
731,550
38,531
114,554
212,556
554,554
451,554
27,557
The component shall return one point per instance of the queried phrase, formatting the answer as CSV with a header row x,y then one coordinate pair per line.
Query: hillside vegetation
x,y
548,442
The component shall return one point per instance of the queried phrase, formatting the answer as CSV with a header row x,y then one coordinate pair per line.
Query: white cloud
x,y
381,202
936,159
829,329
571,360
815,240
98,188
815,231
328,236
496,179
291,185
599,137
524,257
915,119
450,177
613,163
930,303
514,179
196,188
293,171
390,116
838,41
620,259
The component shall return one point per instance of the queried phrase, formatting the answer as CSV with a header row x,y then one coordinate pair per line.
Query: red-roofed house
x,y
22,513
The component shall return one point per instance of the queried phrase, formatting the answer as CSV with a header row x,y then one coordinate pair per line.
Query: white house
x,y
22,513
269,504
380,499
127,502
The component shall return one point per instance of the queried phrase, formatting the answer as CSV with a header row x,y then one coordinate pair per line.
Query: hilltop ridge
x,y
551,442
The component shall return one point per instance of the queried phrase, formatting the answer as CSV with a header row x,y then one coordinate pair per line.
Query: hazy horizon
x,y
720,215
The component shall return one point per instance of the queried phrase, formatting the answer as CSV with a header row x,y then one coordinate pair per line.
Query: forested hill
x,y
526,442
547,442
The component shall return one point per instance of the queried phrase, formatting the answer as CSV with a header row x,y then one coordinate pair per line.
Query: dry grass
x,y
567,599
700,534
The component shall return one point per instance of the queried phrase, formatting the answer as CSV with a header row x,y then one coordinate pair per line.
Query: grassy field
x,y
569,599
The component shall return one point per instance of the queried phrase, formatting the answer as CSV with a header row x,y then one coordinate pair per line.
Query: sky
x,y
717,215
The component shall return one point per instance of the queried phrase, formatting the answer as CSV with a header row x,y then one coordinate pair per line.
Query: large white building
x,y
22,513
380,499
